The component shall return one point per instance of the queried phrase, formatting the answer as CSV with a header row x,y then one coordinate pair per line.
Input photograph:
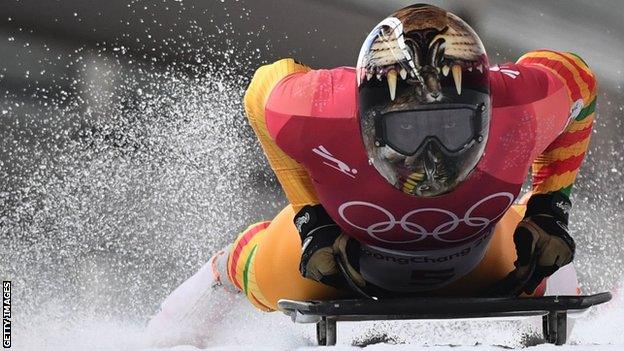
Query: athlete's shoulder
x,y
303,106
568,68
316,93
264,80
513,84
541,73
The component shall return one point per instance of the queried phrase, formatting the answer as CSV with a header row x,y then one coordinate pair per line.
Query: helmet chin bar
x,y
430,166
428,174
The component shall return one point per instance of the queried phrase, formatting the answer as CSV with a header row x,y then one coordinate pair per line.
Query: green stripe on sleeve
x,y
567,190
247,265
588,110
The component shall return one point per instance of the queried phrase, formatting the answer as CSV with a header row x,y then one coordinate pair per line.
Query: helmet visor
x,y
406,131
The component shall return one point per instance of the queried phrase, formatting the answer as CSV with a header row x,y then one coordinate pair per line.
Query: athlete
x,y
405,170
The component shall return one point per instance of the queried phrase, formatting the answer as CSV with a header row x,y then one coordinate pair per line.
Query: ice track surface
x,y
246,329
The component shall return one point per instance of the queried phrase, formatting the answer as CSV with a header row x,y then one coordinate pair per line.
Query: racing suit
x,y
455,244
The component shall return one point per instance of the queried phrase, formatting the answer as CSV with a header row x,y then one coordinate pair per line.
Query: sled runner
x,y
553,309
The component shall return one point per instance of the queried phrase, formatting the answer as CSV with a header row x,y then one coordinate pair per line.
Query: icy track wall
x,y
114,191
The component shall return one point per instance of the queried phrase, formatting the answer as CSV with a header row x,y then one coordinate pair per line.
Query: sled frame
x,y
553,310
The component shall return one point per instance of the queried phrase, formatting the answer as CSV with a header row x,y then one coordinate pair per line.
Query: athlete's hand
x,y
543,243
321,240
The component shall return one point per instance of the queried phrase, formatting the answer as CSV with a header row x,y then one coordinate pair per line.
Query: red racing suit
x,y
307,123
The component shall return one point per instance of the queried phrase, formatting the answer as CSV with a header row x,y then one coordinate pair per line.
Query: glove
x,y
543,244
321,241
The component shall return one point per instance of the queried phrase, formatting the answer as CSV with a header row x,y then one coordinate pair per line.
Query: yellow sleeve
x,y
292,176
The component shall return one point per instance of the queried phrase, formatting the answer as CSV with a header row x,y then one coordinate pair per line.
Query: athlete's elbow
x,y
255,94
587,73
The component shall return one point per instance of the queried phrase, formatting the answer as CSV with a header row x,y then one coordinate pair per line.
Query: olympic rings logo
x,y
480,223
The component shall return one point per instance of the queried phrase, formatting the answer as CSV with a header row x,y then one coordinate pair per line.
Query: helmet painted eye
x,y
407,126
449,125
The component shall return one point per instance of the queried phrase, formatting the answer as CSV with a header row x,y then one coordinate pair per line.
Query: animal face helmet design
x,y
424,104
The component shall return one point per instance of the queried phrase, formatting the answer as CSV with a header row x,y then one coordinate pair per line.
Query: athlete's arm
x,y
292,176
543,242
278,102
555,169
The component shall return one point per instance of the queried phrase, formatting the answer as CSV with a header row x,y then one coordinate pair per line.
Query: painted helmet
x,y
424,103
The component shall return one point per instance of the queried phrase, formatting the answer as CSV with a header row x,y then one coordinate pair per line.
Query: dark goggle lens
x,y
405,131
